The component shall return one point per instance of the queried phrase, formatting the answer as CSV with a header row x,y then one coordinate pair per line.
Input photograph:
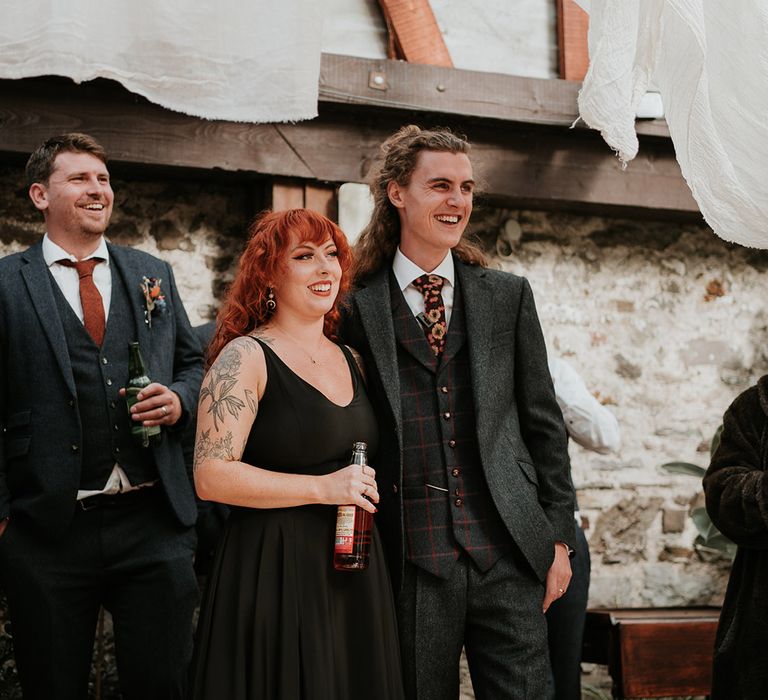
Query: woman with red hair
x,y
280,408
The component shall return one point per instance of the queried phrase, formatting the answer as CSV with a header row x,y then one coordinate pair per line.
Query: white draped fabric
x,y
709,61
241,61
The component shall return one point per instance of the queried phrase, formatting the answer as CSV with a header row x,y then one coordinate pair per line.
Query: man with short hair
x,y
476,506
89,516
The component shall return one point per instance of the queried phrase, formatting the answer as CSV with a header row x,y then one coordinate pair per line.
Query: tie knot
x,y
84,267
429,283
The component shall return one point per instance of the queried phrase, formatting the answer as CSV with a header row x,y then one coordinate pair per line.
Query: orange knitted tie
x,y
93,306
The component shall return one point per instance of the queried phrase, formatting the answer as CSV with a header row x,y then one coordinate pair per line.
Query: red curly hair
x,y
269,238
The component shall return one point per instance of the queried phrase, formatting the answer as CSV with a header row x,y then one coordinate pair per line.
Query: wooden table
x,y
653,652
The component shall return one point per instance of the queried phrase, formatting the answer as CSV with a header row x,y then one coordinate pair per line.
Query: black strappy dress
x,y
278,622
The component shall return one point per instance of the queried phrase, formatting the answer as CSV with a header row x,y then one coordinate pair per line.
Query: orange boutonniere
x,y
154,299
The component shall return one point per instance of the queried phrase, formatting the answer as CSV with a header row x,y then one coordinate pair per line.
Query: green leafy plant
x,y
709,539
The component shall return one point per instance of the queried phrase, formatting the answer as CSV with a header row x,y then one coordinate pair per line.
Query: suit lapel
x,y
373,302
38,281
123,265
408,332
478,299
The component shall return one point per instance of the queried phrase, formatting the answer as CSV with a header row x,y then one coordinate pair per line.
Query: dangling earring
x,y
271,303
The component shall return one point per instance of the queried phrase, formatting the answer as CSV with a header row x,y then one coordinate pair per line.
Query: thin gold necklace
x,y
297,344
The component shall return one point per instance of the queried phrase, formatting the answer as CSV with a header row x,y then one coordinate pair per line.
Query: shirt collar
x,y
52,252
406,270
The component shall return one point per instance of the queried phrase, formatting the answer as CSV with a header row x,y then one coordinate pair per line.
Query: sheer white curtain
x,y
254,61
709,61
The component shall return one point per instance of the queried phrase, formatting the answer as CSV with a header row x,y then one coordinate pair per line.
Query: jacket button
x,y
104,360
109,382
444,389
447,415
75,448
71,403
451,443
458,502
455,472
394,488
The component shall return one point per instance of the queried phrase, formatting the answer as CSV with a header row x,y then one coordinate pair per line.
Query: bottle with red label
x,y
352,545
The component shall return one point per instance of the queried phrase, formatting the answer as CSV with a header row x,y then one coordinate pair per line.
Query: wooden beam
x,y
536,165
573,49
402,86
417,37
136,130
520,164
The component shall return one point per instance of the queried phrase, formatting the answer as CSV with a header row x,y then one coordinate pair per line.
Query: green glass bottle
x,y
137,380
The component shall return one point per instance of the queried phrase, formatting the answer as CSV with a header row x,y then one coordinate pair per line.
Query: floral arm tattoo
x,y
222,380
220,396
221,448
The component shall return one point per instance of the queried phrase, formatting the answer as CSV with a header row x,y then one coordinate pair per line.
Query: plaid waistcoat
x,y
447,507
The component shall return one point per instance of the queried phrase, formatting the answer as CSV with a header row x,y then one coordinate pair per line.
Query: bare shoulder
x,y
241,361
239,353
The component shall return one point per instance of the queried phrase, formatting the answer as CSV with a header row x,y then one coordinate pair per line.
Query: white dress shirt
x,y
69,284
68,279
406,271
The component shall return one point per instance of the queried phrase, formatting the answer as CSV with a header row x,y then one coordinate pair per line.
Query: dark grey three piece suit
x,y
64,427
473,473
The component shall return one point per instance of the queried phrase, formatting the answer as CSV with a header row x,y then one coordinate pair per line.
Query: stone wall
x,y
664,321
666,324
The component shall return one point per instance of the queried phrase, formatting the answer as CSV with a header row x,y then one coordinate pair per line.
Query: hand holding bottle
x,y
156,405
354,484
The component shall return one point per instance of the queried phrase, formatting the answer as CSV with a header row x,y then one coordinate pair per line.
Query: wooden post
x,y
573,50
287,194
414,32
295,194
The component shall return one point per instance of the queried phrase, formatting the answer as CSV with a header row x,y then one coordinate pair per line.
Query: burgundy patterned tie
x,y
435,326
93,306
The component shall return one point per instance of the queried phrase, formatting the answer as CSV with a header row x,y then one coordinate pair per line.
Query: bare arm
x,y
229,401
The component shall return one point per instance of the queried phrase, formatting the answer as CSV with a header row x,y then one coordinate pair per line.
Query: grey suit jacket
x,y
520,430
41,430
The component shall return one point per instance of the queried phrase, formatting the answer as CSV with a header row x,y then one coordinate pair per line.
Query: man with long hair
x,y
476,502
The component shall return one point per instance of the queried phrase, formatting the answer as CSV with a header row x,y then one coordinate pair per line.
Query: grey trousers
x,y
496,616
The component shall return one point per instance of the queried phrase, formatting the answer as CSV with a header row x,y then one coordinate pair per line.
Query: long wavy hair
x,y
400,152
269,239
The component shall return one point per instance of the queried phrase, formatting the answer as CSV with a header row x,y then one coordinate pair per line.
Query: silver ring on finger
x,y
164,409
560,591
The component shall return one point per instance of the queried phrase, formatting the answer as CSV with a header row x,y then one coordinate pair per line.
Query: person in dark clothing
x,y
595,428
88,516
736,490
476,504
